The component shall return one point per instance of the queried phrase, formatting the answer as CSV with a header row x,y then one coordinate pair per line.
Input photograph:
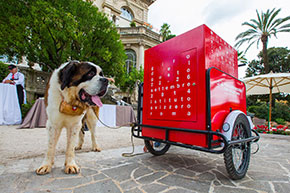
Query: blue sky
x,y
222,16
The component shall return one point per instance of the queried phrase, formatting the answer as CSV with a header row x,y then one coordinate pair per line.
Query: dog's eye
x,y
92,73
101,74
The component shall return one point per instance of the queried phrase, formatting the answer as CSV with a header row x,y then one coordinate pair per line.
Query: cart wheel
x,y
152,148
237,157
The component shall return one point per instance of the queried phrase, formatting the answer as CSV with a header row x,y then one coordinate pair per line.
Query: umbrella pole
x,y
270,105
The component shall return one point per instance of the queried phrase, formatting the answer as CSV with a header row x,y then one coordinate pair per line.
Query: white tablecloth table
x,y
10,113
110,115
107,115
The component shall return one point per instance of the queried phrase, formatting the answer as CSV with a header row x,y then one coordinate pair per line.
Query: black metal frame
x,y
137,127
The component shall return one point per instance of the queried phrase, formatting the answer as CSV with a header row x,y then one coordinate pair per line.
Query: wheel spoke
x,y
237,157
239,150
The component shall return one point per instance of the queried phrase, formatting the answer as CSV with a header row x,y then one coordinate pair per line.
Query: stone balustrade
x,y
140,30
35,82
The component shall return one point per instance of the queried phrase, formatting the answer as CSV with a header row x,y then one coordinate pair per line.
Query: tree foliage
x,y
279,61
261,29
3,71
166,32
131,78
242,58
255,67
280,111
260,110
53,32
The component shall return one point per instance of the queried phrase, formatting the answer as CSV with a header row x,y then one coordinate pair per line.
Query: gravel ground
x,y
28,143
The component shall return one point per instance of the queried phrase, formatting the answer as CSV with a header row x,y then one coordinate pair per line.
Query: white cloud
x,y
181,15
221,10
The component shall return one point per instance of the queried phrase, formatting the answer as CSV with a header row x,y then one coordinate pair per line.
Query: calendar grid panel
x,y
173,88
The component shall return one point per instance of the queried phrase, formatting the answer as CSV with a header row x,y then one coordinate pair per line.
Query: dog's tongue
x,y
96,99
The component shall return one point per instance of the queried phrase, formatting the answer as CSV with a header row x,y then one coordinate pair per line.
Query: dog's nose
x,y
104,80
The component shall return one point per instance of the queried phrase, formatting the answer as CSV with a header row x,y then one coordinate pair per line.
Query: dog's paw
x,y
78,148
44,169
72,169
96,149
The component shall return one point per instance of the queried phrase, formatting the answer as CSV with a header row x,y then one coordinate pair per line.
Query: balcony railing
x,y
140,30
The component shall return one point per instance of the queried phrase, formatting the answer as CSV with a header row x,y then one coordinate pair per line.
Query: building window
x,y
131,60
126,13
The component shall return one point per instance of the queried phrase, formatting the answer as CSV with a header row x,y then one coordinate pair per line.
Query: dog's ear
x,y
65,75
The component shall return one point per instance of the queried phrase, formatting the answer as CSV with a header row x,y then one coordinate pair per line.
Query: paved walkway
x,y
179,170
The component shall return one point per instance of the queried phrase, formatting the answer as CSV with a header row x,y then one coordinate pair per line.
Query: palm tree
x,y
242,60
262,29
165,31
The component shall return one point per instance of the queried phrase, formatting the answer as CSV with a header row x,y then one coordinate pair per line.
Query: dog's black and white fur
x,y
79,84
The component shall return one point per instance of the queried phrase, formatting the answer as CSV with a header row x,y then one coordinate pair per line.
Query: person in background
x,y
16,78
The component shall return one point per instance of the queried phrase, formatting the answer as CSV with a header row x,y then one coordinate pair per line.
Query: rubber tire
x,y
156,152
228,154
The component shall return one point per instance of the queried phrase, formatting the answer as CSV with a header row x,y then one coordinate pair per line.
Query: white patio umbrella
x,y
268,84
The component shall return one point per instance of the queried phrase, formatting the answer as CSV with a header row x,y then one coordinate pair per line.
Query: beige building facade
x,y
130,18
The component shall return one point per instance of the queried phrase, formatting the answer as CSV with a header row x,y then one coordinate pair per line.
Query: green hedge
x,y
260,111
3,71
280,112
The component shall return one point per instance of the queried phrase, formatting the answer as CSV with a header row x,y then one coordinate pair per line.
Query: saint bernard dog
x,y
72,97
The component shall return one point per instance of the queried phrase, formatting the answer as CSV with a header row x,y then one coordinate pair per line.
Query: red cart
x,y
191,97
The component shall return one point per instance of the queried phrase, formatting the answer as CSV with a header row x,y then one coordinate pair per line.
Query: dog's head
x,y
88,78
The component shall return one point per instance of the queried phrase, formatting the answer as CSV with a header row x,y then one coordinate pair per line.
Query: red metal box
x,y
175,82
